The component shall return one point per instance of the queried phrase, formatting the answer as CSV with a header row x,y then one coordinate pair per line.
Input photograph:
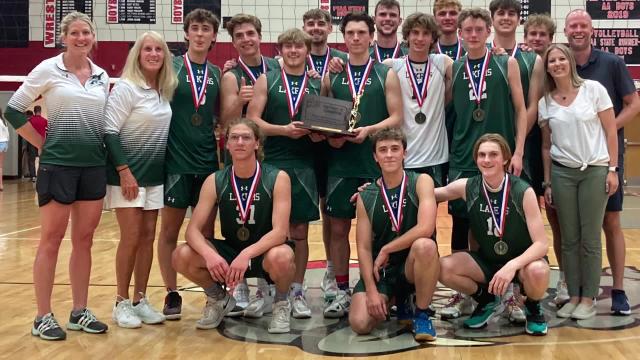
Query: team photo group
x,y
442,105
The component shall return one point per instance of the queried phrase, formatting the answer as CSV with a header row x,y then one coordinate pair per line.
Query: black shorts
x,y
615,201
66,184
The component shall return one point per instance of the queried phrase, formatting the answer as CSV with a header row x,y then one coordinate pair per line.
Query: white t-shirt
x,y
577,136
4,132
426,143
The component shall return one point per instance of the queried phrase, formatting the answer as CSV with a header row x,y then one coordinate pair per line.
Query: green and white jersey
x,y
378,215
259,221
75,129
380,54
495,101
136,131
516,233
282,151
355,160
191,147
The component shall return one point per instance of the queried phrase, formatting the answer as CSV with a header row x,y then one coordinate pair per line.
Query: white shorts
x,y
149,198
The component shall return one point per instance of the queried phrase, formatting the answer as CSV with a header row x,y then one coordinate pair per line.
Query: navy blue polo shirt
x,y
610,71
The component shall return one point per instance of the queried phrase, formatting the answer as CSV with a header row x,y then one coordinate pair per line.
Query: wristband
x,y
124,168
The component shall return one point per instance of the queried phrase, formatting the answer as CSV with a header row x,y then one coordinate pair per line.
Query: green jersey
x,y
267,65
381,54
526,61
320,63
283,151
191,146
378,215
516,233
355,160
259,219
495,101
454,51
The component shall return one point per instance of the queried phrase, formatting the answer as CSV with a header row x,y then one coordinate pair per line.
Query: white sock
x,y
330,267
296,288
562,276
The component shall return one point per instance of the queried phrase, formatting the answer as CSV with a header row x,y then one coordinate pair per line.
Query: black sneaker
x,y
87,322
172,306
48,329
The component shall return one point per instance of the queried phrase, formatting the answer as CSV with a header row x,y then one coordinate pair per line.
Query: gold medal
x,y
196,119
478,114
501,248
421,118
243,233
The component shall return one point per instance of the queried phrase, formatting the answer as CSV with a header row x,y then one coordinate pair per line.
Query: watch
x,y
613,169
546,184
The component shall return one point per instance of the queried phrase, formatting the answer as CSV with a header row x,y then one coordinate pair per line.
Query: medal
x,y
458,51
501,247
419,90
198,96
357,91
478,114
324,67
243,233
395,217
196,119
376,51
244,209
293,103
248,71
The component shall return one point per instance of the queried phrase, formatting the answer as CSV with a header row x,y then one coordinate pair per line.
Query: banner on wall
x,y
180,8
530,7
131,11
620,41
340,8
612,10
55,10
325,5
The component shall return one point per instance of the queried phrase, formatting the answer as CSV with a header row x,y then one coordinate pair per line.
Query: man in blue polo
x,y
612,73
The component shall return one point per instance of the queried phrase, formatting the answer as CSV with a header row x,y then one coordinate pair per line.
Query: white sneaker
x,y
214,311
241,294
329,286
562,294
261,303
124,315
459,304
339,307
513,310
147,314
280,322
299,306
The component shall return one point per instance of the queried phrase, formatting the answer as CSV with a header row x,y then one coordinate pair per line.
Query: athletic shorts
x,y
304,195
149,198
4,146
321,166
437,173
389,278
66,184
459,207
229,253
182,190
489,269
339,192
615,201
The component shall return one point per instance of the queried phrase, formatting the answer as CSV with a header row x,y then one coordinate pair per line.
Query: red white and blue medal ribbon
x,y
293,103
248,71
395,217
477,91
358,90
513,52
379,58
198,96
323,70
458,51
499,225
419,92
244,209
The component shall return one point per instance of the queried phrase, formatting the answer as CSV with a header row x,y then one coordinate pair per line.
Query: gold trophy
x,y
355,115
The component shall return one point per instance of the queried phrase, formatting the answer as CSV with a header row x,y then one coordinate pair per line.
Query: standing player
x,y
610,71
387,19
277,98
487,96
317,23
446,14
254,200
506,222
191,146
396,218
376,95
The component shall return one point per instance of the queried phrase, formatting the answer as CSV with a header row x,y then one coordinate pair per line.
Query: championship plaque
x,y
327,115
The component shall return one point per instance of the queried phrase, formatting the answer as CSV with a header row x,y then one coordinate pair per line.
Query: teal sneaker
x,y
423,327
483,313
536,323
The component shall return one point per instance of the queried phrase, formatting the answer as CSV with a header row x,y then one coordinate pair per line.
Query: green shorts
x,y
436,172
304,195
182,190
388,284
458,207
489,268
229,253
339,192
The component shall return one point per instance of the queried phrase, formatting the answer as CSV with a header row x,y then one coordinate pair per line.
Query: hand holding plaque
x,y
328,115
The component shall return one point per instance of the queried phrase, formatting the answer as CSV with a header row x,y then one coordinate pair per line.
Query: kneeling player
x,y
396,218
505,220
254,201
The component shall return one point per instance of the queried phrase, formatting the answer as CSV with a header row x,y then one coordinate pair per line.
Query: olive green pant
x,y
580,200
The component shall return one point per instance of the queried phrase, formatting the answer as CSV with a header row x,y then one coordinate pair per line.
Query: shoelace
x,y
87,318
48,322
281,313
455,299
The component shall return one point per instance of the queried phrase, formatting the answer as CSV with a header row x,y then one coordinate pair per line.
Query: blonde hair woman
x,y
138,116
71,179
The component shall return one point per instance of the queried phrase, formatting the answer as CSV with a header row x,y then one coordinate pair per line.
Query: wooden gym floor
x,y
604,337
